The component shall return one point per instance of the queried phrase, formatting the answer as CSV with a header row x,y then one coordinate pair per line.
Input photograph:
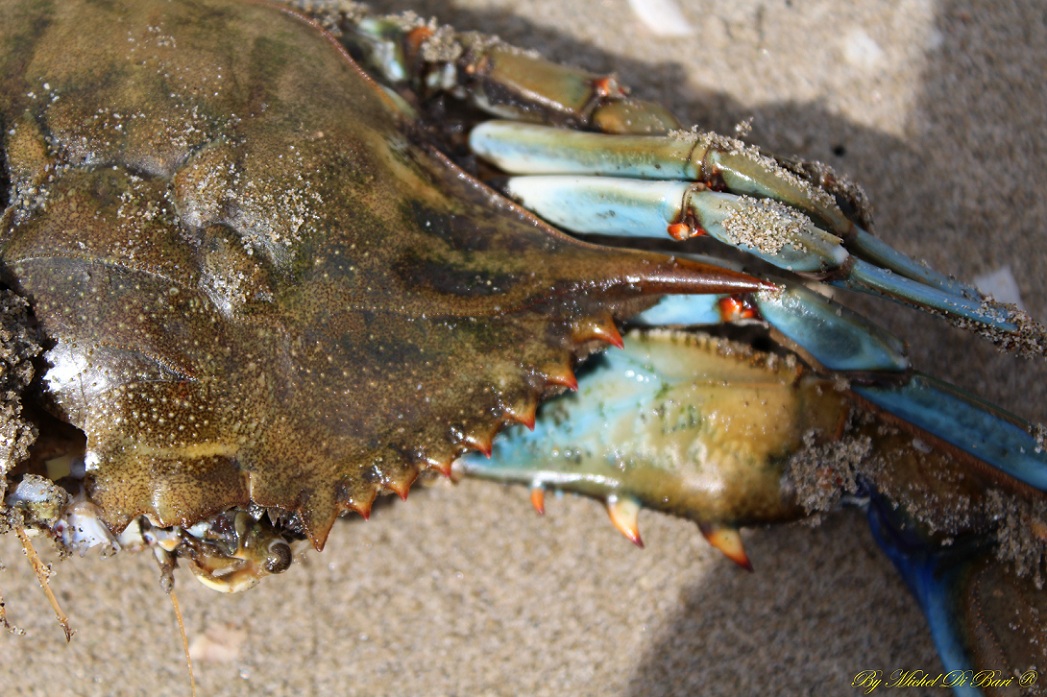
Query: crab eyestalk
x,y
234,551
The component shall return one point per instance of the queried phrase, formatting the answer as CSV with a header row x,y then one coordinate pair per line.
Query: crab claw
x,y
638,434
718,433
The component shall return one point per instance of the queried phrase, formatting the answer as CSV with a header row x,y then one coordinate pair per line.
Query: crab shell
x,y
412,549
259,285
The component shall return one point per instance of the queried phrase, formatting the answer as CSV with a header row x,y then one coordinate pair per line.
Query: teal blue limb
x,y
933,575
839,339
872,249
638,208
529,149
601,205
985,431
521,148
637,186
866,277
682,311
768,230
575,443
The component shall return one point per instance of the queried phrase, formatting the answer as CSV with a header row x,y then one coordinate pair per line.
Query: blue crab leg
x,y
497,78
533,150
508,83
977,609
933,580
646,186
671,394
763,227
978,428
512,84
835,337
728,437
666,424
844,342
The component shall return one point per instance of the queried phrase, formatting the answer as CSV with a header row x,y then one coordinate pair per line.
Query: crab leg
x,y
646,183
825,333
528,149
728,437
844,342
979,612
506,82
649,186
666,424
405,51
672,394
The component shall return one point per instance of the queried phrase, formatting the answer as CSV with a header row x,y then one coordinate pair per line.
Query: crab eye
x,y
279,557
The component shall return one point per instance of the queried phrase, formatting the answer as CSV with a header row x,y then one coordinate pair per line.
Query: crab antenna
x,y
185,640
43,572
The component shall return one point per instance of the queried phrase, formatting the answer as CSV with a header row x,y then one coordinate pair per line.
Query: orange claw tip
x,y
625,516
436,463
685,231
607,331
734,308
615,338
607,86
363,506
317,538
538,499
679,231
363,510
727,540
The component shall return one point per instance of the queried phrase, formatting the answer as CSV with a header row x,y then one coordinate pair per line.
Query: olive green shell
x,y
258,283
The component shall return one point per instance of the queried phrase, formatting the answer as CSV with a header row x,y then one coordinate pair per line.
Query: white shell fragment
x,y
81,528
1001,285
663,17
